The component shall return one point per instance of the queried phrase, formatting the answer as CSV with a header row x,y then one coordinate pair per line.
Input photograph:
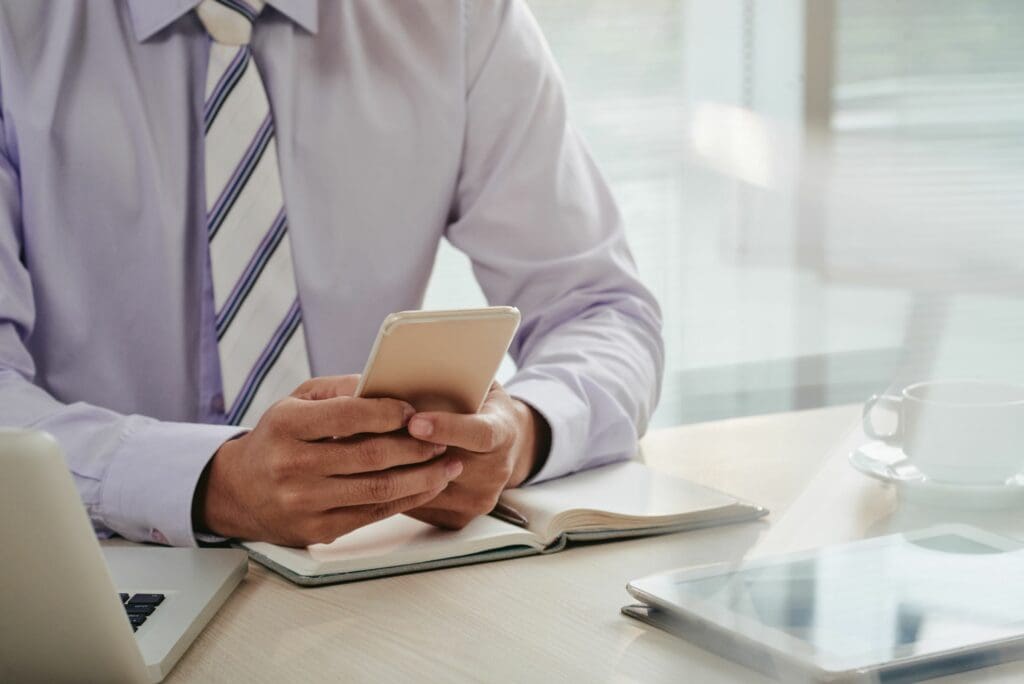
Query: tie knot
x,y
229,21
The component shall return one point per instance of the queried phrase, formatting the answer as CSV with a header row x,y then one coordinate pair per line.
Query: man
x,y
202,207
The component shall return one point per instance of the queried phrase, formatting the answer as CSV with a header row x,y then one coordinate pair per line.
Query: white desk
x,y
556,618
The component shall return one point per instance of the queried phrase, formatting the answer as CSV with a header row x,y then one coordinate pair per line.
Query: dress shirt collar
x,y
150,16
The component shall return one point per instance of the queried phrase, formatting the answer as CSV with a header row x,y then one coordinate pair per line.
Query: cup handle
x,y
886,401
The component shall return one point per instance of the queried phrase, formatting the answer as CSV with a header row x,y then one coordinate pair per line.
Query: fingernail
x,y
453,468
420,427
407,413
440,449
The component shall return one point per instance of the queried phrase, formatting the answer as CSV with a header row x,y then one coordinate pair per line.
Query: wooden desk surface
x,y
556,618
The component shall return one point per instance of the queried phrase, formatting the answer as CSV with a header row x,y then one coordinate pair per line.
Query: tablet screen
x,y
872,602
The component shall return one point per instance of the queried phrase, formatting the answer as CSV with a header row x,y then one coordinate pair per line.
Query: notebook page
x,y
629,491
399,540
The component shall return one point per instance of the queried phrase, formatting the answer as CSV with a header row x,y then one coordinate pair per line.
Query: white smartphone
x,y
439,360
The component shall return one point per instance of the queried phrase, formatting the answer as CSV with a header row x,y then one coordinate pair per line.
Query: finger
x,y
385,485
441,517
479,432
327,387
446,500
463,502
369,454
334,523
338,417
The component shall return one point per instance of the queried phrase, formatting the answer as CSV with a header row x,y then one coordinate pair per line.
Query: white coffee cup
x,y
963,431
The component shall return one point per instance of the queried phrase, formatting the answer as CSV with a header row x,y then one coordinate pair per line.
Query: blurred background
x,y
826,196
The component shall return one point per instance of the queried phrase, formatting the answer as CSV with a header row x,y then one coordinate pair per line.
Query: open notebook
x,y
611,502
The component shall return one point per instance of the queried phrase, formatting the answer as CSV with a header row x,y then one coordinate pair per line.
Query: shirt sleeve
x,y
543,233
136,475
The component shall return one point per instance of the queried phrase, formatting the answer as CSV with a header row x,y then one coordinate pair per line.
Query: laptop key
x,y
148,599
139,609
136,620
124,597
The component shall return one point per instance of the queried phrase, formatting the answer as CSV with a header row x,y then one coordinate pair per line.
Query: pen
x,y
510,515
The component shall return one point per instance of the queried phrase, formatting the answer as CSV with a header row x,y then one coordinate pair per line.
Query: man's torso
x,y
105,131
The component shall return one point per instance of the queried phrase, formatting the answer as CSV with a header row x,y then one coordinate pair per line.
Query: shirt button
x,y
217,403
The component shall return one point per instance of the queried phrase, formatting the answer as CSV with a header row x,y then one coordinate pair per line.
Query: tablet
x,y
913,605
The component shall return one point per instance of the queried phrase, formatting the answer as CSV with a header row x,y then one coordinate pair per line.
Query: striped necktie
x,y
260,337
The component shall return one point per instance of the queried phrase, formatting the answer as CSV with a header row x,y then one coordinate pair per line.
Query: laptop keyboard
x,y
139,607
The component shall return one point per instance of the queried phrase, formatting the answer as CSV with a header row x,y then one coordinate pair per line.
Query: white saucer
x,y
889,464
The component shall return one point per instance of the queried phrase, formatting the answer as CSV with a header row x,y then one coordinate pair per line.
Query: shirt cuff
x,y
566,414
150,482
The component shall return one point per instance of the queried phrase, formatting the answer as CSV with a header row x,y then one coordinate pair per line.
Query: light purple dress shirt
x,y
399,123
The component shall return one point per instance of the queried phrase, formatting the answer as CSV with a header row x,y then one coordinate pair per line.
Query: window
x,y
825,196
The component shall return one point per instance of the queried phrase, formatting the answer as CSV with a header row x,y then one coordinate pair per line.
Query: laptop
x,y
75,611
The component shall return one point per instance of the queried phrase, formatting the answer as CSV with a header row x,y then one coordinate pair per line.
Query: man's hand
x,y
319,464
500,447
